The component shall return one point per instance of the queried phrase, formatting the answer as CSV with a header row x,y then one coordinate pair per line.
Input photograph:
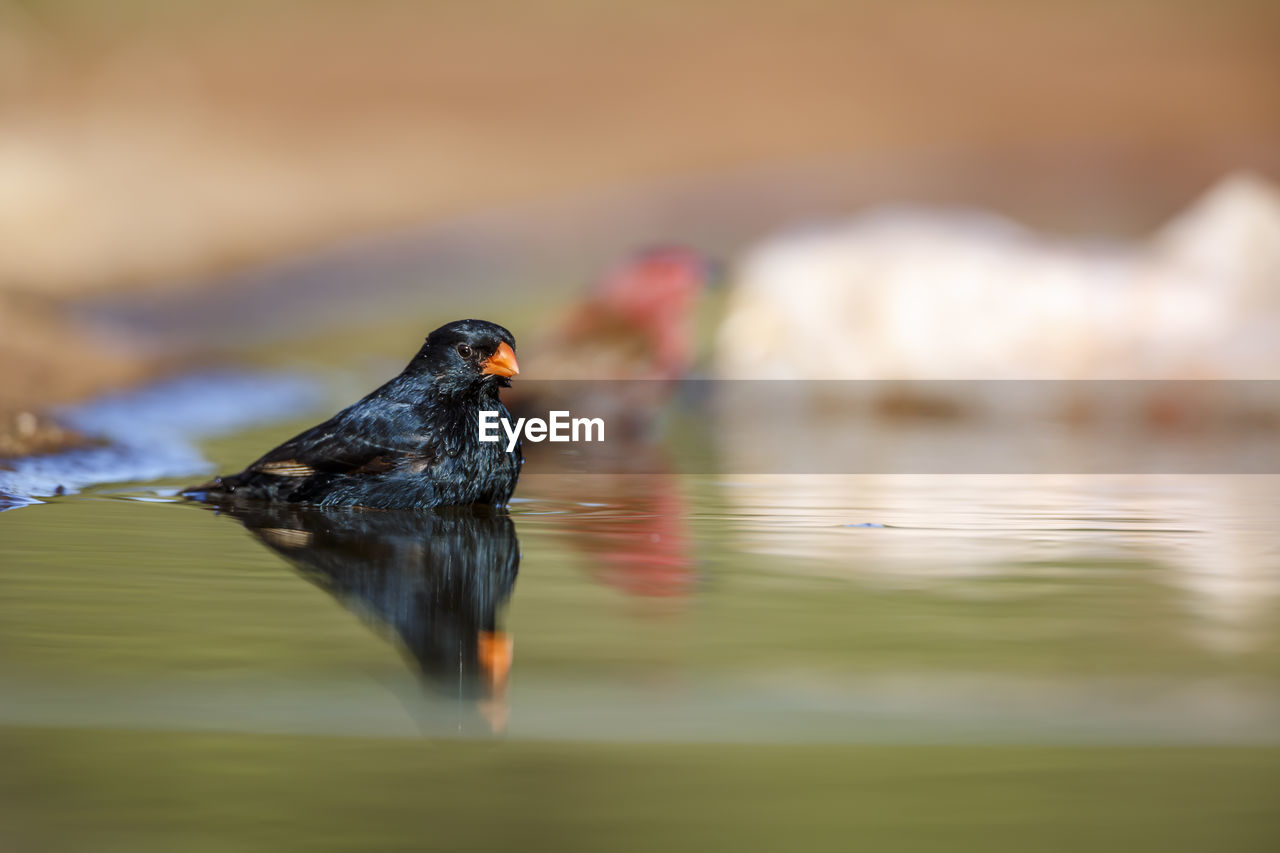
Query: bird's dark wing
x,y
357,440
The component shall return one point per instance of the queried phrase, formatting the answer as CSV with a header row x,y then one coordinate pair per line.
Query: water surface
x,y
641,661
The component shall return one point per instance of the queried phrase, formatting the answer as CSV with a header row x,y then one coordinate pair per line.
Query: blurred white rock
x,y
946,294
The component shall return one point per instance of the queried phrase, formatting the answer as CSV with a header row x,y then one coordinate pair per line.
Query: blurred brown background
x,y
146,144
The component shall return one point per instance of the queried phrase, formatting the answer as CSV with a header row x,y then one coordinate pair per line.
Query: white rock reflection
x,y
1213,538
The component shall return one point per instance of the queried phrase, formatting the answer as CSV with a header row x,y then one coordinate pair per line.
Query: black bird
x,y
412,444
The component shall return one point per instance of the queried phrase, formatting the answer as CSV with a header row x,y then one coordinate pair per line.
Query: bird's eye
x,y
464,350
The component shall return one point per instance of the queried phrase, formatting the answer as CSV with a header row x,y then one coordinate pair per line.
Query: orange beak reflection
x,y
502,362
495,650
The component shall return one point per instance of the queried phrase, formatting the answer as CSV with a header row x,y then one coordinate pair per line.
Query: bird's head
x,y
470,353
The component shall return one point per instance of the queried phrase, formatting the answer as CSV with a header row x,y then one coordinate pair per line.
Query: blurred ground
x,y
148,145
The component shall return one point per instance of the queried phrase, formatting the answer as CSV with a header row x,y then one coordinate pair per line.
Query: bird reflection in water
x,y
437,579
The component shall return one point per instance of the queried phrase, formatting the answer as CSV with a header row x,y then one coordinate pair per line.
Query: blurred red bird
x,y
636,322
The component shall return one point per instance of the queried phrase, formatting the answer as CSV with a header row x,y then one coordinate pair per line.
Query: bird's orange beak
x,y
502,362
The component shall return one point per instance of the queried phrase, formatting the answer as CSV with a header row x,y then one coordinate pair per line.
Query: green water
x,y
697,662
